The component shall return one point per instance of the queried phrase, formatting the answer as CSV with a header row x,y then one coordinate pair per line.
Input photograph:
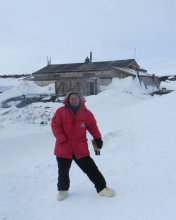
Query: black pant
x,y
87,165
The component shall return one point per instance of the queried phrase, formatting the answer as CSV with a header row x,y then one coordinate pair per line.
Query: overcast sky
x,y
67,30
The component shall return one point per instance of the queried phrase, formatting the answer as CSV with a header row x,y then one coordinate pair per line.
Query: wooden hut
x,y
87,77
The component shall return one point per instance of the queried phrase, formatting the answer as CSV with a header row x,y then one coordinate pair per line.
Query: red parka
x,y
70,131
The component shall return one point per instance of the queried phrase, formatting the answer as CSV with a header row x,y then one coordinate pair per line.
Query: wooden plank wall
x,y
84,87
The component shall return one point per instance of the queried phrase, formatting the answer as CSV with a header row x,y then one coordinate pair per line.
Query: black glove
x,y
99,143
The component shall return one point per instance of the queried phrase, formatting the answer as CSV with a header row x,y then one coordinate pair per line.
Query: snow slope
x,y
137,159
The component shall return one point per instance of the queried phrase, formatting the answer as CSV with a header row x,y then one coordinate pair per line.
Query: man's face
x,y
74,100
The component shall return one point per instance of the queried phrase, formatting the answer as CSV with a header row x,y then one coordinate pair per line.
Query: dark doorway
x,y
92,91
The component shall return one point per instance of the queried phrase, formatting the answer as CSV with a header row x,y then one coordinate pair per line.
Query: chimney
x,y
90,57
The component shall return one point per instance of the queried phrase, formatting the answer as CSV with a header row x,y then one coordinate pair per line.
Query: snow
x,y
168,84
137,159
7,83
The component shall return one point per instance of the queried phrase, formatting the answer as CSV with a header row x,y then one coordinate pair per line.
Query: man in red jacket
x,y
69,125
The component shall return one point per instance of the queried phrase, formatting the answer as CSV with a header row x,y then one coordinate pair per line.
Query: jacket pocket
x,y
82,147
64,148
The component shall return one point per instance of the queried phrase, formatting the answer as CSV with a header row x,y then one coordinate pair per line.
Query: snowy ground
x,y
137,159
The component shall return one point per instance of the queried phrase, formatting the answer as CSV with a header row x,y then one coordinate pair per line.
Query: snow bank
x,y
130,85
23,87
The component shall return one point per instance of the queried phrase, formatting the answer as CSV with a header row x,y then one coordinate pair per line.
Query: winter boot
x,y
107,192
62,195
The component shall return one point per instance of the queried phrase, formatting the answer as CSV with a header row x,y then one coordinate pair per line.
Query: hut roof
x,y
79,67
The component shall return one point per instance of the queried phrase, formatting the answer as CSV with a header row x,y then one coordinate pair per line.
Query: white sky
x,y
68,30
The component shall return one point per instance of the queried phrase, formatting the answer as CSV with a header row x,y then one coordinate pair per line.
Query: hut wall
x,y
69,74
104,73
84,74
46,75
120,75
105,81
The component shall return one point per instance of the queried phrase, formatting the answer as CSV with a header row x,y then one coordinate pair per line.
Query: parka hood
x,y
82,98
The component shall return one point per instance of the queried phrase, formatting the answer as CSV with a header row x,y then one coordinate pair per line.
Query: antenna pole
x,y
134,52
